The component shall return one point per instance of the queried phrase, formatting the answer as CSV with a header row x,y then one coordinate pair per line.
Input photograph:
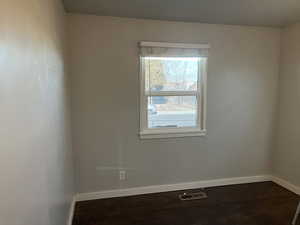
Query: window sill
x,y
148,134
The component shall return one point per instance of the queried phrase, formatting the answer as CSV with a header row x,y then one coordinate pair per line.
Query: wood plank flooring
x,y
263,203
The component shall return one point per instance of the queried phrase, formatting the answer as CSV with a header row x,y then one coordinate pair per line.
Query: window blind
x,y
158,49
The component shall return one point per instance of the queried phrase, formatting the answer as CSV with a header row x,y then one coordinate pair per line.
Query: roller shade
x,y
160,49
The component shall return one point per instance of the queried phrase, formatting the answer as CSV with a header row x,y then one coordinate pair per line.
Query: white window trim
x,y
200,130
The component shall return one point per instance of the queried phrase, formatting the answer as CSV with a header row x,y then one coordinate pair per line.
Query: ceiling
x,y
276,13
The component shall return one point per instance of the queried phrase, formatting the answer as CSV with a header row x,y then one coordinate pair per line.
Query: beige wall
x,y
36,178
287,154
242,86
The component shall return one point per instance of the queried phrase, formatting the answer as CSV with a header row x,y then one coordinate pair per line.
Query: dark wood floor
x,y
247,204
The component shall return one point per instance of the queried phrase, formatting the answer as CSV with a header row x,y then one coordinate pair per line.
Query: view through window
x,y
176,76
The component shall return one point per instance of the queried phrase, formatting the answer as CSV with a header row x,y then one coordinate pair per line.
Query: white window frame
x,y
200,129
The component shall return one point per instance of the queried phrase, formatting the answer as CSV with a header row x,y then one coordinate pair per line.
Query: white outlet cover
x,y
122,175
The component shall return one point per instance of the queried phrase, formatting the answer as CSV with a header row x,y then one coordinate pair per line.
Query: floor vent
x,y
189,196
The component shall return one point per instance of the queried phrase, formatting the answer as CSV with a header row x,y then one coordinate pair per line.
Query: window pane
x,y
172,111
171,74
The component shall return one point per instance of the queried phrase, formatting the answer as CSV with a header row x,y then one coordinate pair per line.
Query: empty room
x,y
150,112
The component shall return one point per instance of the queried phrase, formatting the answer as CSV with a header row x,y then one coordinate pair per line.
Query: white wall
x,y
36,178
242,86
287,155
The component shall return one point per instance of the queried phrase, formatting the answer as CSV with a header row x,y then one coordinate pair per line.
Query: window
x,y
173,89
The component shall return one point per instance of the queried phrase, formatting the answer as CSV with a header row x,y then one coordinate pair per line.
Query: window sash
x,y
149,93
198,117
147,90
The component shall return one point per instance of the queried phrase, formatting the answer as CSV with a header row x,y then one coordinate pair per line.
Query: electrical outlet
x,y
122,175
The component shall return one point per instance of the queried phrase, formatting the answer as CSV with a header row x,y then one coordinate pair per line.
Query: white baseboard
x,y
170,187
71,212
291,187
